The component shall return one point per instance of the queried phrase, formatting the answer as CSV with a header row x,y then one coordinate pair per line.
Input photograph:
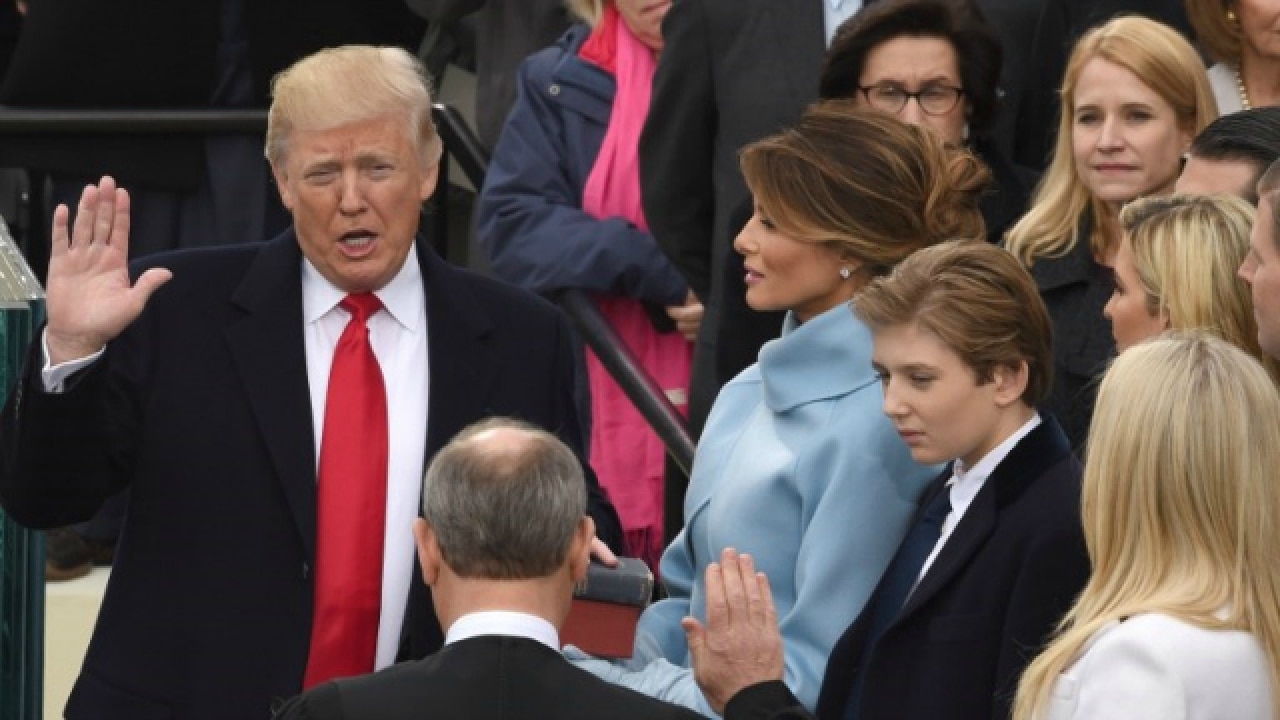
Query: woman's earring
x,y
845,273
1231,18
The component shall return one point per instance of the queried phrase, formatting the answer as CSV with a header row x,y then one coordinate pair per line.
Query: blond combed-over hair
x,y
351,84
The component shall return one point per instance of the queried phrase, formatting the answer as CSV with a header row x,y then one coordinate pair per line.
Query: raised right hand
x,y
88,295
741,644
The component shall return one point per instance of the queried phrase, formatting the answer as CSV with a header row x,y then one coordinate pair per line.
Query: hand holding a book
x,y
740,645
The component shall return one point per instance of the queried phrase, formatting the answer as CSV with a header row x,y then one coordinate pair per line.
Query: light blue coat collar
x,y
826,357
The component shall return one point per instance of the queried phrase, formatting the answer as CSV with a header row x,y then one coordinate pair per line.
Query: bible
x,y
606,606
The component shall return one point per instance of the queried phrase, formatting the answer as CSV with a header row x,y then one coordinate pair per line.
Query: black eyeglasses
x,y
933,99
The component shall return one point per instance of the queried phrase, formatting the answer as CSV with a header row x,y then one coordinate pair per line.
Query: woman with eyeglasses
x,y
1134,95
936,64
930,63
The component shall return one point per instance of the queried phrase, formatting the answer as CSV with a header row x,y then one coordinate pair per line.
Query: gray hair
x,y
504,499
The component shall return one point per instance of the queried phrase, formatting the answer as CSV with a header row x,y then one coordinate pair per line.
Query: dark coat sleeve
x,y
1054,571
766,701
63,454
529,216
677,147
320,703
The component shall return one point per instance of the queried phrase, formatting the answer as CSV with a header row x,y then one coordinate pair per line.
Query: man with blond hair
x,y
271,407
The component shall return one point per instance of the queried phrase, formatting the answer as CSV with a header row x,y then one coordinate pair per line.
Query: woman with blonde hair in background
x,y
1176,269
798,464
1181,616
1133,97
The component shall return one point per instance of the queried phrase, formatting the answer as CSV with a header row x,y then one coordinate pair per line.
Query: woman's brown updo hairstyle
x,y
873,188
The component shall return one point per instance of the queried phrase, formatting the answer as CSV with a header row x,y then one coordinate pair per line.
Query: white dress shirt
x,y
965,484
398,333
501,622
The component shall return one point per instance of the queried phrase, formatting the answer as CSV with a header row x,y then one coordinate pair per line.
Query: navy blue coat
x,y
1009,571
529,219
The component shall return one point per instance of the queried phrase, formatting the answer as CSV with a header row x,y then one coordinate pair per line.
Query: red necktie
x,y
351,507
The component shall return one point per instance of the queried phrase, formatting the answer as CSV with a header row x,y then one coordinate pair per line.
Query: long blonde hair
x,y
1180,506
1186,250
1165,62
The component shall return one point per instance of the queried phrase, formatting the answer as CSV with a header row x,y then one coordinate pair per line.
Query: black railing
x,y
461,144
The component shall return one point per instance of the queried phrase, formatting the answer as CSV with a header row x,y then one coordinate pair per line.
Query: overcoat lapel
x,y
972,532
270,357
1040,450
461,366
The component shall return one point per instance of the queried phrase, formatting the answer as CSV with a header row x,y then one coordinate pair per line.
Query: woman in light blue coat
x,y
798,465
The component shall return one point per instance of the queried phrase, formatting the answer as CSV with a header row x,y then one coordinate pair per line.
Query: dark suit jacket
x,y
483,678
201,407
1004,578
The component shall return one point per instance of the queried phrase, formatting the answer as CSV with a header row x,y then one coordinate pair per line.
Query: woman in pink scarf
x,y
560,208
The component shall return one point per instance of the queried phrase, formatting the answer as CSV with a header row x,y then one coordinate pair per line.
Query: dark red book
x,y
606,606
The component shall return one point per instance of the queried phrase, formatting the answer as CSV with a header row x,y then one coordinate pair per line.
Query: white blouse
x,y
1155,667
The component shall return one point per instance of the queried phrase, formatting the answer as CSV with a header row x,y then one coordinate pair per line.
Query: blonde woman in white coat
x,y
1181,617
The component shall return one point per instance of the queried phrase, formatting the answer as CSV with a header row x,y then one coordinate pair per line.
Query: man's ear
x,y
1010,382
580,548
428,551
429,178
282,185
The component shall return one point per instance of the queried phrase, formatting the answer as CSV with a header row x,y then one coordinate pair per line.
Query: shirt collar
x,y
500,622
400,297
966,482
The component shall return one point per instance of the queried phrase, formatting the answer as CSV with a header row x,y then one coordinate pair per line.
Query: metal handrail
x,y
58,121
460,142
640,387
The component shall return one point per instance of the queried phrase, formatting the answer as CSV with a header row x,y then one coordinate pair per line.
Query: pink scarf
x,y
626,455
613,186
